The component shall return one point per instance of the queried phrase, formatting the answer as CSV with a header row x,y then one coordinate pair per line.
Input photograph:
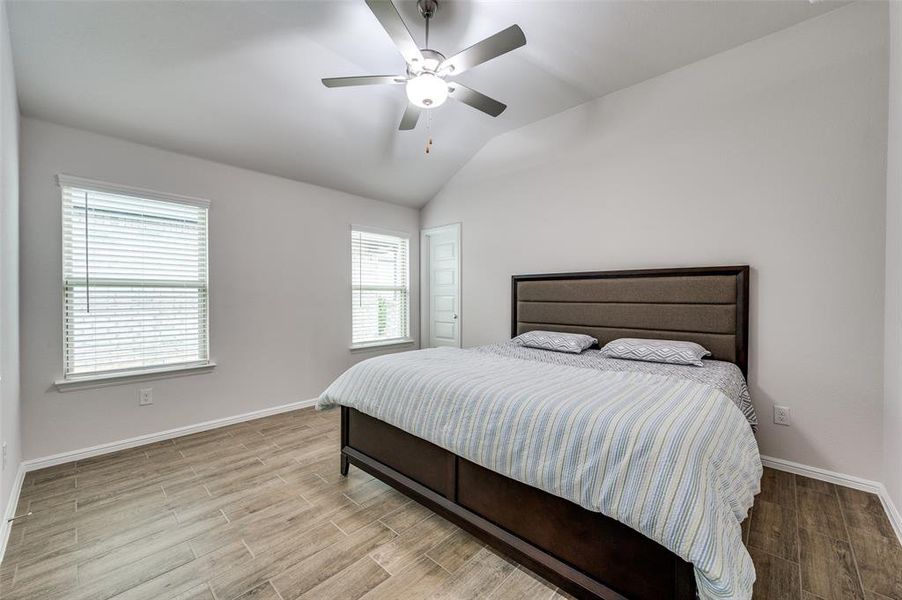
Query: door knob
x,y
454,316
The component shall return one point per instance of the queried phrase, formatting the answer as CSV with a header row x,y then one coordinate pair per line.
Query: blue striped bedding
x,y
673,458
725,376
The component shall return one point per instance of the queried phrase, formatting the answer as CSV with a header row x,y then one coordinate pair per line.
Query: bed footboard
x,y
586,553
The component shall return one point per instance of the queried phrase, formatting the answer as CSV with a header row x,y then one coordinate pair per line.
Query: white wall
x,y
892,418
9,267
770,154
280,289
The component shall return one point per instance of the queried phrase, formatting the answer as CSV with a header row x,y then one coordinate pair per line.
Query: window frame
x,y
378,344
112,377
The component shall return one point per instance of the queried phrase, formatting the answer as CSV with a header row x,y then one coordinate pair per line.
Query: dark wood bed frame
x,y
585,553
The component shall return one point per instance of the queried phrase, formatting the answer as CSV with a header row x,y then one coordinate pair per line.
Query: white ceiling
x,y
239,82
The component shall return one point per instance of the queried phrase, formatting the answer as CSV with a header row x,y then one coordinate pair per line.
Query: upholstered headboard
x,y
707,305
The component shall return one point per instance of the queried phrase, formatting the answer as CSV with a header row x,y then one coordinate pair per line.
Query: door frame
x,y
425,291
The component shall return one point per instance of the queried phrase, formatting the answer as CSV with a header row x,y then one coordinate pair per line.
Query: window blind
x,y
134,283
380,287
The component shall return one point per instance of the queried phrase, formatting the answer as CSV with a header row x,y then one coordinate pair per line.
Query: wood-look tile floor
x,y
810,539
258,511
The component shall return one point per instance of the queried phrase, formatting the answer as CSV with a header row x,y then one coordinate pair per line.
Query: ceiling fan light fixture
x,y
427,90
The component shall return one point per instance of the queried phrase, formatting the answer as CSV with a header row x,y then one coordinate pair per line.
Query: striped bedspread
x,y
672,458
725,376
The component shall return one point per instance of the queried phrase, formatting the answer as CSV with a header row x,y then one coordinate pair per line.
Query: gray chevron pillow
x,y
660,351
553,340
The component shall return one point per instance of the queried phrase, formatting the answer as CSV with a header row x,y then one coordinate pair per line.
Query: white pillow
x,y
661,351
557,341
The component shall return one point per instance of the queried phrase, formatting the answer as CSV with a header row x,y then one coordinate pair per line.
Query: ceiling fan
x,y
428,70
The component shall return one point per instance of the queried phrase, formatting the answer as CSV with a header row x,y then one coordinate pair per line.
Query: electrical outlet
x,y
145,397
782,415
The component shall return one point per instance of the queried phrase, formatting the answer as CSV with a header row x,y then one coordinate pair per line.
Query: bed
x,y
607,543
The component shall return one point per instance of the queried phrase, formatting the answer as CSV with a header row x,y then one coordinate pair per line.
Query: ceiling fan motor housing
x,y
431,60
427,8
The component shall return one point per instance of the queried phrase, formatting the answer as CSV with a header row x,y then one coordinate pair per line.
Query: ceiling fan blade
x,y
479,101
391,21
493,46
364,80
410,118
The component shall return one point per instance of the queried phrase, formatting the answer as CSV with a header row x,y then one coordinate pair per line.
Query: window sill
x,y
97,381
381,345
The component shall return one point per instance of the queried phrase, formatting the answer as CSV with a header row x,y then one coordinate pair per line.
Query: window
x,y
380,289
135,288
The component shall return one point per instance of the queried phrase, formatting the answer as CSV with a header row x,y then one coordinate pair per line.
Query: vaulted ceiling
x,y
239,82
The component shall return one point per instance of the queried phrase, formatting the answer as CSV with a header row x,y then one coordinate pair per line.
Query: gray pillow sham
x,y
554,340
660,351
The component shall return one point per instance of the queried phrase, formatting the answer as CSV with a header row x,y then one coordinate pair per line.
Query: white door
x,y
442,253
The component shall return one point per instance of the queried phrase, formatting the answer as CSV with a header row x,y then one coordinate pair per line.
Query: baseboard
x,y
10,512
821,474
892,512
57,459
866,485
